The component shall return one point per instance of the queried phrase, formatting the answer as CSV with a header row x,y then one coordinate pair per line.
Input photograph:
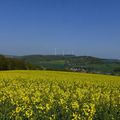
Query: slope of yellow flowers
x,y
51,95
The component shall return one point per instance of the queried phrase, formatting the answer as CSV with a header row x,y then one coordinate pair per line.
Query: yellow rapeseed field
x,y
51,95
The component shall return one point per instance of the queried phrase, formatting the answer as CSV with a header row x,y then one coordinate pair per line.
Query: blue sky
x,y
87,27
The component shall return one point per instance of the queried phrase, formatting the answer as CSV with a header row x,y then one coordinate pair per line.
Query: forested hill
x,y
10,63
86,64
75,63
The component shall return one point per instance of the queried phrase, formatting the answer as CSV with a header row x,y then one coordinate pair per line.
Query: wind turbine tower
x,y
63,53
72,52
55,51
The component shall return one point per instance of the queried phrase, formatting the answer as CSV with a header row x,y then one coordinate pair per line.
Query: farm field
x,y
53,95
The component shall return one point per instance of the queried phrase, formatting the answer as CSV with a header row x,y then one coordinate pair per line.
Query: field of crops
x,y
50,95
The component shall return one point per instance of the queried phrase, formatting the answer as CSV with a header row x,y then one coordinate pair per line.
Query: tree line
x,y
15,64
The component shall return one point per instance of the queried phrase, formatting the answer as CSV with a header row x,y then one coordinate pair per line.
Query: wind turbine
x,y
63,53
72,52
55,51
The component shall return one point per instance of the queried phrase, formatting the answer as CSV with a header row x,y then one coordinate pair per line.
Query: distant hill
x,y
87,64
75,63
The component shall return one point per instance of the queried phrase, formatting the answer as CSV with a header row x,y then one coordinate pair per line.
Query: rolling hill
x,y
75,63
